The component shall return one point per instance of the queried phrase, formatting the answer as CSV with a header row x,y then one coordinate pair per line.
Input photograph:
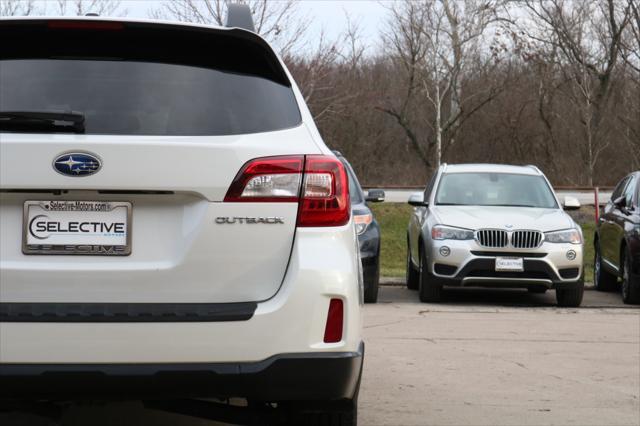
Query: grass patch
x,y
394,218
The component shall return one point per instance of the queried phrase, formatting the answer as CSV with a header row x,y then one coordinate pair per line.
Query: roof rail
x,y
239,16
531,166
443,166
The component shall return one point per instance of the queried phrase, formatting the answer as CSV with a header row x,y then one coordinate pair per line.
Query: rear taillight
x,y
325,193
335,320
269,179
318,182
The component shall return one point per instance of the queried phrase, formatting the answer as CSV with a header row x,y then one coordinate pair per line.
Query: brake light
x,y
335,319
269,179
325,193
86,25
324,197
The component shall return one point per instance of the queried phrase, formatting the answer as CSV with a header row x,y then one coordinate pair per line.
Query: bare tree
x,y
61,7
438,44
82,7
277,21
17,7
629,115
587,38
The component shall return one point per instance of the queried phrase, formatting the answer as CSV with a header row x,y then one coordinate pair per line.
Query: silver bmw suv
x,y
493,226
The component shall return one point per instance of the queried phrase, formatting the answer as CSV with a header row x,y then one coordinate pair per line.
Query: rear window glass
x,y
196,85
138,98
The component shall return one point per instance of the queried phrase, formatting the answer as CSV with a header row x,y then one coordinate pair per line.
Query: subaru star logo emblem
x,y
77,164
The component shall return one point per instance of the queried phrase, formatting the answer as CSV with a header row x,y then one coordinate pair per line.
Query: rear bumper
x,y
285,377
292,322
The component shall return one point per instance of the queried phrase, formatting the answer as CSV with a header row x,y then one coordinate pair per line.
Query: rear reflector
x,y
86,25
323,198
335,320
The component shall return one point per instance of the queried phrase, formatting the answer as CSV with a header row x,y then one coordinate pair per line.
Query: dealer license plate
x,y
77,227
512,264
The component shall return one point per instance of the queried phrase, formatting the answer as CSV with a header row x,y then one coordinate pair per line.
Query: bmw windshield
x,y
495,189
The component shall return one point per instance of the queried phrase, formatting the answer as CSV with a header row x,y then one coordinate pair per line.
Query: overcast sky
x,y
325,14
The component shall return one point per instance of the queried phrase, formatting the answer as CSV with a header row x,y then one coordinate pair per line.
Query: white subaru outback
x,y
171,223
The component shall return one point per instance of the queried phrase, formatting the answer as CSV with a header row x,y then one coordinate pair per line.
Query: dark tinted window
x,y
355,191
619,190
630,189
141,98
146,79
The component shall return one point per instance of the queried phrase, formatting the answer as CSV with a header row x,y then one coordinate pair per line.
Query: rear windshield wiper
x,y
42,121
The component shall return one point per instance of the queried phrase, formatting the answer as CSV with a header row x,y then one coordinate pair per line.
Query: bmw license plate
x,y
77,227
510,264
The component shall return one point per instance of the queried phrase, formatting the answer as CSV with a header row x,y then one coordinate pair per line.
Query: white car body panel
x,y
476,217
291,322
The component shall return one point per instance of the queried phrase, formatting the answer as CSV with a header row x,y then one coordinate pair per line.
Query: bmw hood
x,y
508,218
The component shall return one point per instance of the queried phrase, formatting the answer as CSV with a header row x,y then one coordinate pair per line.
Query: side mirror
x,y
571,203
417,200
375,196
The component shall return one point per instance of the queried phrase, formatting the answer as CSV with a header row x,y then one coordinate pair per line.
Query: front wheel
x,y
372,282
413,275
430,291
570,297
603,280
630,289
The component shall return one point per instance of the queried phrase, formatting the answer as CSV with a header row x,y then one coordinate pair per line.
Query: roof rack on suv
x,y
239,16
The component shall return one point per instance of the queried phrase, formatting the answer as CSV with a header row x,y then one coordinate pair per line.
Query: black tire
x,y
538,289
318,414
371,283
570,297
603,280
430,291
630,287
413,275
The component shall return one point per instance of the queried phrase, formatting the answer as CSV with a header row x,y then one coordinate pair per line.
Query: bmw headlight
x,y
571,236
442,232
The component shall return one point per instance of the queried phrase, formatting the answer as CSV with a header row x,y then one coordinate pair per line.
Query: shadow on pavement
x,y
499,297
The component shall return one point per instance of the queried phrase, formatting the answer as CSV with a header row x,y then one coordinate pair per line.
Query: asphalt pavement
x,y
482,357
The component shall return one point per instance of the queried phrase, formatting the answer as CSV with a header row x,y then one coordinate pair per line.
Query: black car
x,y
617,241
368,231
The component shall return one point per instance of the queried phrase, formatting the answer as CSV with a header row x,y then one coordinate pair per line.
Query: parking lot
x,y
482,357
500,357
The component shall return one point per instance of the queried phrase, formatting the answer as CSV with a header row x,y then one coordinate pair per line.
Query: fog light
x,y
445,251
571,255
